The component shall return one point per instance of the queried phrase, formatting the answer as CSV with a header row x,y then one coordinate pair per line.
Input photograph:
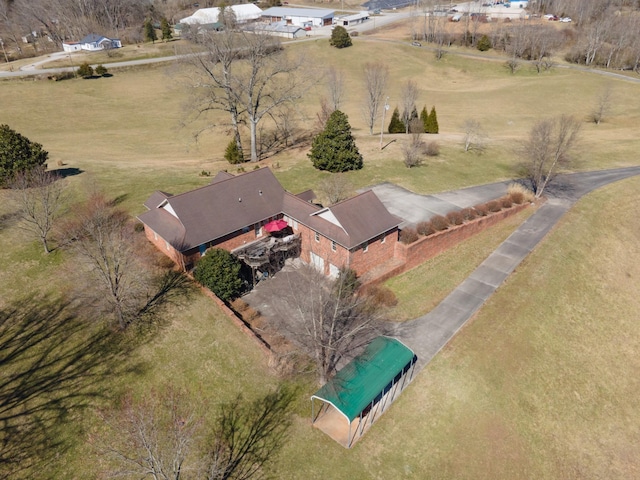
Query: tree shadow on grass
x,y
52,364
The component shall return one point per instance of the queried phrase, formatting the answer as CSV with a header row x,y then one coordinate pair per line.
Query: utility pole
x,y
384,110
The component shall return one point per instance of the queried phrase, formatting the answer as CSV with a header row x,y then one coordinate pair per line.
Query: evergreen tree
x,y
18,154
414,115
232,153
219,271
85,70
396,125
166,29
432,122
149,32
340,37
424,117
484,44
334,149
101,70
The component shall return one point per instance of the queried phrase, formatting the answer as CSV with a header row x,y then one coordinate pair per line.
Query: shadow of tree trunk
x,y
52,363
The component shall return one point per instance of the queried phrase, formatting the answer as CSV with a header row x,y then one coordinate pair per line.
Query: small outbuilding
x,y
353,19
363,390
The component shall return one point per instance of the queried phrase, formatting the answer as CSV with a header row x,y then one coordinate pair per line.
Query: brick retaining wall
x,y
425,248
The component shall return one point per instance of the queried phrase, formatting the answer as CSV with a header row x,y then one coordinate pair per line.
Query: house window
x,y
317,237
365,246
333,245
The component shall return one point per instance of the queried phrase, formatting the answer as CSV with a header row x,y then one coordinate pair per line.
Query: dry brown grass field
x,y
542,383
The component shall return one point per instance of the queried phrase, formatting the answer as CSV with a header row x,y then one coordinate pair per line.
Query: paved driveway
x,y
427,334
413,208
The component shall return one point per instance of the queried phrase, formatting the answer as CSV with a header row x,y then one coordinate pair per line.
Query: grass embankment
x,y
419,290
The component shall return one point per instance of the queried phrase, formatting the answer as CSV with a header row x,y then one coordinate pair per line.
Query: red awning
x,y
276,226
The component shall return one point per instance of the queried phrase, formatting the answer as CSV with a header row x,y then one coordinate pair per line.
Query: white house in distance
x,y
92,43
300,17
205,16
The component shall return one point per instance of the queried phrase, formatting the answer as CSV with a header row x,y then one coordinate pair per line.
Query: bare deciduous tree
x,y
474,137
214,80
603,105
548,149
327,319
248,75
408,97
335,188
152,437
103,239
248,436
335,87
39,196
375,81
163,436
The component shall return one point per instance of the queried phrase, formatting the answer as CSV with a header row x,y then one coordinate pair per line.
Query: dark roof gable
x,y
230,203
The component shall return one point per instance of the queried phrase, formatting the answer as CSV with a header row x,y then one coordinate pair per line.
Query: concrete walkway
x,y
427,334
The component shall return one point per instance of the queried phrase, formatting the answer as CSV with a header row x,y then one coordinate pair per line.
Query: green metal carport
x,y
363,389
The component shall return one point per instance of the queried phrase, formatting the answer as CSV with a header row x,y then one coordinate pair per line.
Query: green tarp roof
x,y
364,378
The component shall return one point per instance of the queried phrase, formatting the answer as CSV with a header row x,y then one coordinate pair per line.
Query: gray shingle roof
x,y
231,203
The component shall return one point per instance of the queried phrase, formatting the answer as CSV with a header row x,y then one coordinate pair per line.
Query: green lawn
x,y
540,385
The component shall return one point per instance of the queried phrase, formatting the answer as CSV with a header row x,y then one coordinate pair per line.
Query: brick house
x,y
231,212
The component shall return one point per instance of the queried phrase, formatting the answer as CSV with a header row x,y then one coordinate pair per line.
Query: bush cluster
x,y
408,235
425,229
440,223
455,218
381,296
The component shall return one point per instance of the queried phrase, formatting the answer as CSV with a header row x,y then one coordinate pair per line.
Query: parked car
x,y
565,20
416,44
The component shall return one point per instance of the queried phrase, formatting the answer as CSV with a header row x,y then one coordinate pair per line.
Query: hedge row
x,y
440,222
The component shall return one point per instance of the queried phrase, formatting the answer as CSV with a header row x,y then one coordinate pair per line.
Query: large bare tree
x,y
335,87
249,76
164,436
39,197
103,239
548,149
375,83
152,437
328,319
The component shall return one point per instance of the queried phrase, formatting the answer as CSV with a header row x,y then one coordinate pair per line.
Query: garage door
x,y
318,262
